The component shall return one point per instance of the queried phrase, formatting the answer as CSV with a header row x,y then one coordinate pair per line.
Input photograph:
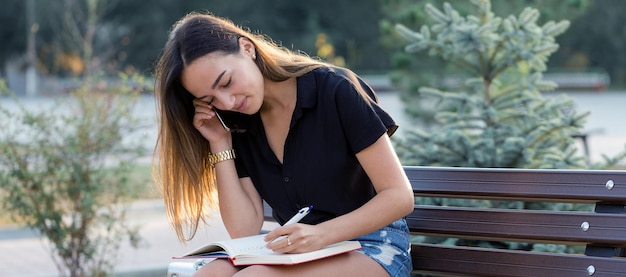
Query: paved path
x,y
23,253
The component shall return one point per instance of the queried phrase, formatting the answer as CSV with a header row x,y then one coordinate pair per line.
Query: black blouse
x,y
331,122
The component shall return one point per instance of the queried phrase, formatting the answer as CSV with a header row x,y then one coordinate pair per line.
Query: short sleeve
x,y
363,120
385,118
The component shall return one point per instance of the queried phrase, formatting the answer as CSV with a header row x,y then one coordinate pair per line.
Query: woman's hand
x,y
206,122
295,238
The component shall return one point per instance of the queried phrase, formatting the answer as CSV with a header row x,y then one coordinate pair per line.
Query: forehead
x,y
211,61
199,75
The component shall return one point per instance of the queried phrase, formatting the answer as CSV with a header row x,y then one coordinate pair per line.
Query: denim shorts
x,y
390,247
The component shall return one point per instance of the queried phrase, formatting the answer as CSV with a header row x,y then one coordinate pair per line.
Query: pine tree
x,y
498,118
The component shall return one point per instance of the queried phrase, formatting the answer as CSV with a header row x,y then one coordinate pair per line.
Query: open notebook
x,y
251,250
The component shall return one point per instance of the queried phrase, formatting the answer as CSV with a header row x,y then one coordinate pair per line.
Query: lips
x,y
241,105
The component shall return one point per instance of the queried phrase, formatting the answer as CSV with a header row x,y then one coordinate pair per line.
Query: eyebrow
x,y
219,77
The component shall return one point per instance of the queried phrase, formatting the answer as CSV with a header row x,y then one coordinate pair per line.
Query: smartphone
x,y
233,122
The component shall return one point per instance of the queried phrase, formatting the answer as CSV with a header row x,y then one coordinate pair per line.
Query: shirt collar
x,y
307,90
306,98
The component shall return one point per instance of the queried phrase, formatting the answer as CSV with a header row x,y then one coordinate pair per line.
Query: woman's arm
x,y
394,199
240,205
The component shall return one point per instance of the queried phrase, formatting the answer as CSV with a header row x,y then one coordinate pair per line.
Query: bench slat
x,y
605,237
519,225
468,261
267,212
588,186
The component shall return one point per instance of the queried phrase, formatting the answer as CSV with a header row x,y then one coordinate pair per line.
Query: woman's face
x,y
227,81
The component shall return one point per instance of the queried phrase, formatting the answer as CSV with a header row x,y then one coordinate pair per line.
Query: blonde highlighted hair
x,y
180,168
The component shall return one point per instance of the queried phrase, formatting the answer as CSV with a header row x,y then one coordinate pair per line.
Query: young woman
x,y
314,135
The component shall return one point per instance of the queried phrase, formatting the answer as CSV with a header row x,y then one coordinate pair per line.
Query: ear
x,y
247,47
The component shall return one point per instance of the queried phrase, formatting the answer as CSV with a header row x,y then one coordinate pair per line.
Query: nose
x,y
225,101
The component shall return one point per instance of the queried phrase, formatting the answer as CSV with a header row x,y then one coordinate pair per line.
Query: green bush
x,y
64,172
497,117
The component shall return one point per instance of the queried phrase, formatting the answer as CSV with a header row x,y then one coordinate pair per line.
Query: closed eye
x,y
204,98
228,83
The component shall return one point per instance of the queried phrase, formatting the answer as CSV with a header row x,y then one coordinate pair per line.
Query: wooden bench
x,y
600,232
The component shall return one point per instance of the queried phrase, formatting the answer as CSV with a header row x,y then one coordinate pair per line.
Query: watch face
x,y
232,121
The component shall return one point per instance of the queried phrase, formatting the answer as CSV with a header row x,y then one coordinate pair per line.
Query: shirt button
x,y
286,179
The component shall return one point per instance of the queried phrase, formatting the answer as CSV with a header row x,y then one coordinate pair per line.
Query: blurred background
x,y
49,49
56,41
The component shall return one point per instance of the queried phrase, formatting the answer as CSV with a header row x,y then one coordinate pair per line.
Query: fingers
x,y
203,111
203,107
283,244
291,239
205,122
201,119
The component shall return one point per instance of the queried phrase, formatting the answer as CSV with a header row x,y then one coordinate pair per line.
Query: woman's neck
x,y
279,96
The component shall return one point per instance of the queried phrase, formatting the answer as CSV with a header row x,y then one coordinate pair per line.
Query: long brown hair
x,y
180,168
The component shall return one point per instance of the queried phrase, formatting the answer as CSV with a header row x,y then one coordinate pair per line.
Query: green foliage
x,y
499,117
596,42
414,70
13,41
64,171
124,41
